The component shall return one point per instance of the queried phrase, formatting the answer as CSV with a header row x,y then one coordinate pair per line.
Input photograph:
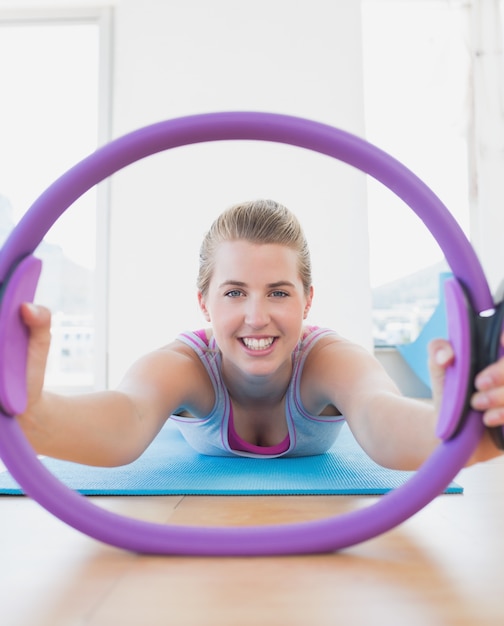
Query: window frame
x,y
102,17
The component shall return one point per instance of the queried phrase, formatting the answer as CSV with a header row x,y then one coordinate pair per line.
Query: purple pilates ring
x,y
460,433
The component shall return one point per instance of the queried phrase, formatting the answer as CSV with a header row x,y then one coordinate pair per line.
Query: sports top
x,y
215,435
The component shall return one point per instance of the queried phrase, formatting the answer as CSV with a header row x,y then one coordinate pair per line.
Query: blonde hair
x,y
258,221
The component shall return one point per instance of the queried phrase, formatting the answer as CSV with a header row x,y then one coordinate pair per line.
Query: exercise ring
x,y
468,296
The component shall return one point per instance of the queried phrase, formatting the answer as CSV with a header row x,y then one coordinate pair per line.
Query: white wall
x,y
179,57
487,137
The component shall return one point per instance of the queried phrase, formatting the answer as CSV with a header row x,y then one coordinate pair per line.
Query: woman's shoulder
x,y
332,351
171,377
202,337
318,335
331,369
196,348
175,356
183,352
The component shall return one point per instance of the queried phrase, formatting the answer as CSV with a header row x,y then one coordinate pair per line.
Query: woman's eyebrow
x,y
232,283
281,283
240,283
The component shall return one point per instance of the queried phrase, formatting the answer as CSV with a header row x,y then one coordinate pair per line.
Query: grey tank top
x,y
308,434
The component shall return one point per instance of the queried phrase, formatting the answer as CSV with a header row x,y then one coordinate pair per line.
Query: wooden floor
x,y
444,566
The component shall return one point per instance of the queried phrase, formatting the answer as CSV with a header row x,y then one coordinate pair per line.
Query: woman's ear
x,y
203,307
309,300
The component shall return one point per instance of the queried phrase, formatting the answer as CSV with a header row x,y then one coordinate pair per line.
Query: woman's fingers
x,y
489,394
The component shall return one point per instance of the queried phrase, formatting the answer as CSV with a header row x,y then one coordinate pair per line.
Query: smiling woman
x,y
255,287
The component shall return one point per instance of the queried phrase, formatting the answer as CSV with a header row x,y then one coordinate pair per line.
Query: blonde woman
x,y
257,380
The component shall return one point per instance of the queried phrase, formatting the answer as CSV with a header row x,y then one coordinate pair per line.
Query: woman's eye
x,y
279,294
233,293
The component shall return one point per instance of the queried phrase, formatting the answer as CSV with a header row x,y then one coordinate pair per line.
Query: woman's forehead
x,y
239,259
247,251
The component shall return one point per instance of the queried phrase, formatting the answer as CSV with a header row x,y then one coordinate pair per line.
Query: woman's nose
x,y
257,314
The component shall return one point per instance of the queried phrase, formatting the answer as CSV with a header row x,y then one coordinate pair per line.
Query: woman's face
x,y
256,304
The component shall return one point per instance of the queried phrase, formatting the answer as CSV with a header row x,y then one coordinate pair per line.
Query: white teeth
x,y
257,344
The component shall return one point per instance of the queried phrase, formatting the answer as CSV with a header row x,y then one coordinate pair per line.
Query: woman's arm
x,y
397,432
112,427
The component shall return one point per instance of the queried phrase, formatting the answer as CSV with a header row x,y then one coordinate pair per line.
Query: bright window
x,y
50,120
417,78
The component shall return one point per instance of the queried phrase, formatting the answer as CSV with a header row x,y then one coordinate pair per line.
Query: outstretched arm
x,y
106,428
396,431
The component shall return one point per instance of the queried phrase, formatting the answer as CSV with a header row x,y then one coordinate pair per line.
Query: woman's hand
x,y
488,397
489,383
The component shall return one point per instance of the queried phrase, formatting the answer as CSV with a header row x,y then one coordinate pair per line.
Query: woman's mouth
x,y
257,344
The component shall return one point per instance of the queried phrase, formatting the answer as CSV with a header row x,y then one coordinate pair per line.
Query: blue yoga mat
x,y
170,467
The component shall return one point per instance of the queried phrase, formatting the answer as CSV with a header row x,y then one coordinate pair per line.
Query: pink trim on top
x,y
238,444
202,334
